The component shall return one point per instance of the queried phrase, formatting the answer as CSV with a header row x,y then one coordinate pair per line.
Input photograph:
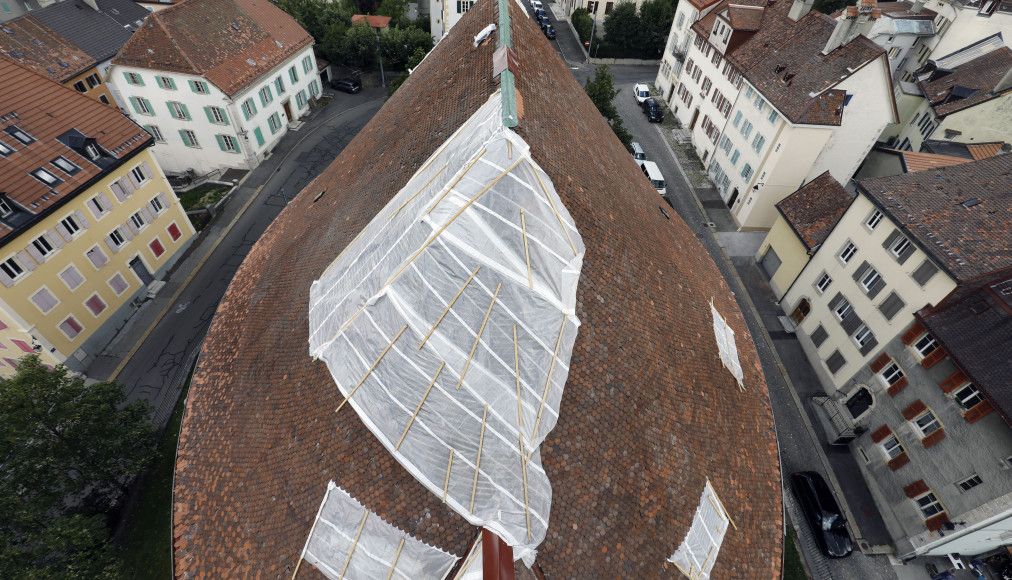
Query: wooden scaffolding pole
x,y
420,403
477,465
520,427
456,181
423,188
369,372
527,251
558,216
448,307
548,382
477,339
355,543
446,484
394,565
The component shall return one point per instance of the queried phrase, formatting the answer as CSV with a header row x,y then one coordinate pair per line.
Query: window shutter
x,y
897,387
978,411
836,300
876,288
97,257
105,202
146,169
819,336
259,135
133,229
151,209
147,214
63,231
835,361
871,344
81,219
915,489
193,86
54,239
851,322
924,272
172,112
128,187
950,384
935,356
898,461
117,190
182,135
25,260
210,115
891,305
224,117
934,524
880,363
221,142
906,253
881,433
5,279
935,437
915,409
890,239
133,180
916,330
165,202
860,270
112,245
172,82
133,101
34,253
186,112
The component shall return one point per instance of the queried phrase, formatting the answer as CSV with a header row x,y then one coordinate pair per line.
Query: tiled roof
x,y
745,17
928,205
920,161
97,33
970,84
216,39
813,210
647,412
125,12
797,46
45,110
701,5
974,325
374,21
902,10
31,44
985,150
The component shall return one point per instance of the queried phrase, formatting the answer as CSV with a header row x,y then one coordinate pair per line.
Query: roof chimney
x,y
1005,83
917,7
855,21
93,4
799,9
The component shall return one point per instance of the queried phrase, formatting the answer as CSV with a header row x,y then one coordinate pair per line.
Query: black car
x,y
822,513
652,110
543,22
539,13
549,31
347,85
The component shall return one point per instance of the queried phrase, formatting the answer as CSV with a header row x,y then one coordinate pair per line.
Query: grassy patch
x,y
203,196
794,569
146,549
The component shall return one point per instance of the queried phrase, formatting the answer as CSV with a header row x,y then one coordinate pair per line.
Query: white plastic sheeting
x,y
468,275
726,345
698,552
349,541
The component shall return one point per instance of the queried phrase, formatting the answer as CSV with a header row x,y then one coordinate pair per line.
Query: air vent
x,y
7,30
788,77
63,64
979,307
779,69
251,61
971,202
16,53
114,11
235,27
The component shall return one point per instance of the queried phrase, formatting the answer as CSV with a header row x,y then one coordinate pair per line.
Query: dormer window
x,y
20,135
5,150
45,176
92,151
5,208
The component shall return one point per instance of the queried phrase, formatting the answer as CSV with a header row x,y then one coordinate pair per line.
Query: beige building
x,y
87,221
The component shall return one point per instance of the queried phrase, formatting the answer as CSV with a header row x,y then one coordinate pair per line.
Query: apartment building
x,y
686,13
87,221
900,31
216,83
775,95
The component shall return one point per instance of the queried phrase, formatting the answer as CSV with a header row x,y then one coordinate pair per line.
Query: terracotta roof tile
x,y
216,39
985,150
920,161
45,109
647,409
745,17
928,205
970,84
374,21
31,44
813,210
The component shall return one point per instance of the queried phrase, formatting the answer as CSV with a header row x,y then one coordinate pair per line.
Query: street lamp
x,y
383,78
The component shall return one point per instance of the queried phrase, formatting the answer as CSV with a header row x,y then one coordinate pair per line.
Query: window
x,y
968,396
300,100
773,116
174,232
929,505
46,177
117,237
65,165
307,64
137,173
156,133
891,447
843,309
749,93
899,246
99,205
156,205
217,115
279,85
189,138
72,277
758,143
259,136
71,327
891,305
819,336
706,86
156,247
92,151
95,304
70,224
891,374
746,172
178,111
925,345
166,83
134,79
199,87
835,362
42,246
265,95
249,109
5,209
734,157
5,150
274,122
118,284
969,483
20,135
313,90
697,554
228,143
746,129
293,75
11,268
848,252
926,423
44,300
873,220
103,99
79,86
138,220
737,119
823,284
863,335
24,346
924,272
870,279
97,257
680,20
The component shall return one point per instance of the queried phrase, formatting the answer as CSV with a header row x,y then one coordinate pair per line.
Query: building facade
x,y
87,222
686,13
213,110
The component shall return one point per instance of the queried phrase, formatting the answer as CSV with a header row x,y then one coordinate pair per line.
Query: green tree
x,y
413,62
68,452
656,17
399,44
583,23
831,6
622,27
358,48
601,90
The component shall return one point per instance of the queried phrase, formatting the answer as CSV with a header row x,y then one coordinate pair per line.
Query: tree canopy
x,y
601,90
68,452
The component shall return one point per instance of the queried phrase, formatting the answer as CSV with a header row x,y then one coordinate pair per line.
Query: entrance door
x,y
799,314
142,271
770,262
671,93
288,111
733,198
695,115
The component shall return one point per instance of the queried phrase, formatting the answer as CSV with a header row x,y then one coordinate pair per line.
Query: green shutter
x,y
133,101
210,115
172,83
221,142
259,135
263,99
182,135
147,103
224,116
193,86
172,112
291,73
186,112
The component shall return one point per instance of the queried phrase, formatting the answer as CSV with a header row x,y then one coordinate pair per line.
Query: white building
x,y
216,92
686,13
776,95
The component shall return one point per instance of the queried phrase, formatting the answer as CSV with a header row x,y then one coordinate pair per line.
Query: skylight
x,y
448,326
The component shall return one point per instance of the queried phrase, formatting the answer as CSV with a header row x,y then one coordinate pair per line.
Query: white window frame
x,y
847,253
873,220
42,245
44,288
926,423
231,143
870,278
843,309
823,283
200,88
139,175
70,223
97,203
966,484
92,150
961,399
930,345
156,133
134,78
247,109
121,277
192,138
105,305
77,333
138,220
891,447
218,114
891,374
863,335
79,274
46,176
898,247
118,238
69,168
927,502
177,111
156,204
164,82
266,97
13,268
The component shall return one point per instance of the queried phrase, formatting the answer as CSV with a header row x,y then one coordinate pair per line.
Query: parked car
x,y
641,92
539,13
637,151
549,31
652,110
536,5
654,175
347,85
543,22
823,514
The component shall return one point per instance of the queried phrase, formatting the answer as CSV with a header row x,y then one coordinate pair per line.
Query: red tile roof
x,y
31,44
374,21
648,409
970,84
813,210
928,205
796,46
920,161
45,109
985,150
216,39
745,17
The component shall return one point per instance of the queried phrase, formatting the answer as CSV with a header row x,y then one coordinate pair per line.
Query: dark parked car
x,y
539,13
543,22
347,85
822,513
652,110
549,31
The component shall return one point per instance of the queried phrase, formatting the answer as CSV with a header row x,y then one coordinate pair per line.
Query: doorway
x,y
859,402
803,309
695,115
142,271
770,262
288,110
732,199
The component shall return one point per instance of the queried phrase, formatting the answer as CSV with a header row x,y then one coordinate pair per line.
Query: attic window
x,y
5,150
7,30
114,11
971,202
788,77
37,42
779,69
235,27
726,346
20,135
251,61
51,71
45,177
277,42
979,307
846,100
5,209
698,553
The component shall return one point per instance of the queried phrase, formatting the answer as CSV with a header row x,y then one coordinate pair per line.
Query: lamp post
x,y
383,78
593,27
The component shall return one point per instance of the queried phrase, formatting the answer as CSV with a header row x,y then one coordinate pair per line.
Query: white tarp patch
x,y
449,322
726,345
698,552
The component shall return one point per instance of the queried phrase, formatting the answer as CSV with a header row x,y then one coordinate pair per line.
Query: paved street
x,y
157,369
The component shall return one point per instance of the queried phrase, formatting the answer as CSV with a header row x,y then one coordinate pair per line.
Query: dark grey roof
x,y
950,148
99,33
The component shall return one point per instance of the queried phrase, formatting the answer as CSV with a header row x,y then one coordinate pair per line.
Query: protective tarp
x,y
348,541
726,346
468,275
472,569
698,552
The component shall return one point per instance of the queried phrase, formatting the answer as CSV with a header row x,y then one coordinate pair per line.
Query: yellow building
x,y
87,221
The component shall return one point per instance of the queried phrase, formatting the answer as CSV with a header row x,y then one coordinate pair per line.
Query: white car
x,y
642,92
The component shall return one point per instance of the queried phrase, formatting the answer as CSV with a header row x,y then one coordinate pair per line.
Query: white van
x,y
536,5
654,175
637,151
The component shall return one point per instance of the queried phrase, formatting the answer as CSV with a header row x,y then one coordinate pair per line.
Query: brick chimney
x,y
855,21
799,9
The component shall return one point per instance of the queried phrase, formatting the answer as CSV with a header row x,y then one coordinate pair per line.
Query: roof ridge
x,y
175,44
